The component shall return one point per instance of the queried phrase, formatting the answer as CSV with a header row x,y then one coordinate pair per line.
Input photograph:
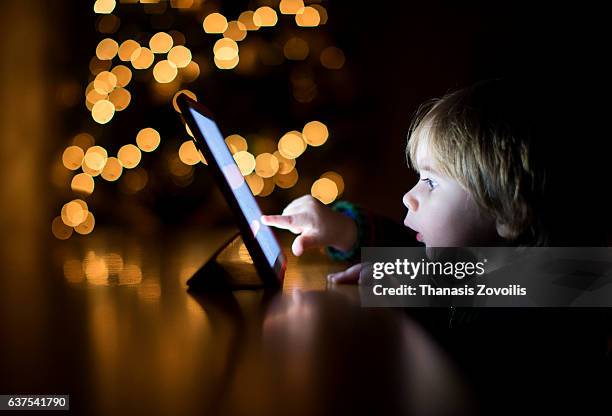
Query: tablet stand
x,y
229,268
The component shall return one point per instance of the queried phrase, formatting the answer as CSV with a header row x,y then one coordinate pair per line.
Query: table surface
x,y
108,320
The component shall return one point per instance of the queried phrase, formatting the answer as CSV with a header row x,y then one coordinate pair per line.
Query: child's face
x,y
442,212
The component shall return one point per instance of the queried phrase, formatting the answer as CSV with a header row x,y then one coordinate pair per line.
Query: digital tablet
x,y
259,239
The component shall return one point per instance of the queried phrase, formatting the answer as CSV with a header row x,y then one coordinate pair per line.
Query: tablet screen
x,y
240,188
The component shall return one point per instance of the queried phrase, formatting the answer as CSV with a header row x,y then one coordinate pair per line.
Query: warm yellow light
x,y
284,165
287,180
245,162
266,165
315,133
332,58
127,48
188,93
161,42
291,145
131,274
324,190
290,6
267,188
322,13
142,58
225,49
235,30
236,143
246,18
86,226
296,49
107,49
93,97
82,183
265,16
83,140
190,73
123,74
164,72
256,183
112,169
148,139
230,64
104,6
60,230
180,56
72,158
95,158
214,23
96,269
105,82
188,154
337,178
74,212
129,156
307,17
103,111
120,97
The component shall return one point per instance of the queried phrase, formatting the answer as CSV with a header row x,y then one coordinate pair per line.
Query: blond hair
x,y
481,137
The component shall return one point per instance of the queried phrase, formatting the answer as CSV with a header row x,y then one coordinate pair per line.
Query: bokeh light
x,y
105,82
315,133
120,97
123,74
87,225
245,162
112,169
82,183
103,111
188,154
225,49
266,165
165,72
214,23
286,180
180,56
72,158
325,190
95,158
127,48
148,139
142,58
291,145
307,17
284,165
265,17
246,18
161,42
255,182
290,6
268,187
83,140
235,30
74,212
129,156
104,6
107,49
236,143
338,180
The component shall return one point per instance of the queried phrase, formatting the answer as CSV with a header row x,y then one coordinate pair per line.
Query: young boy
x,y
493,171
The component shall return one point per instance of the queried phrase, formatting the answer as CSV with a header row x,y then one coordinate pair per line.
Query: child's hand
x,y
317,225
351,275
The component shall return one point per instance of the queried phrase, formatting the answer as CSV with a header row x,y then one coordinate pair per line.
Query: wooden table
x,y
107,319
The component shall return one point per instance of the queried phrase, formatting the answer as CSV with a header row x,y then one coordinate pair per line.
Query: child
x,y
492,172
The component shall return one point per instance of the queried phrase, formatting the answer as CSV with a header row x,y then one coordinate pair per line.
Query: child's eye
x,y
431,183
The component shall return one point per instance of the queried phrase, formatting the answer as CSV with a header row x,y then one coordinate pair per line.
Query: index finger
x,y
294,223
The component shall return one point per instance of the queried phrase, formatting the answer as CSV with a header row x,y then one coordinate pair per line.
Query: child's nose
x,y
410,202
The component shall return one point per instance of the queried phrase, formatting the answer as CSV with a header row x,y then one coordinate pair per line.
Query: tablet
x,y
259,239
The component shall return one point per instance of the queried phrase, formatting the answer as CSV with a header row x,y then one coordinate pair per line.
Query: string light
x,y
325,190
214,23
148,139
